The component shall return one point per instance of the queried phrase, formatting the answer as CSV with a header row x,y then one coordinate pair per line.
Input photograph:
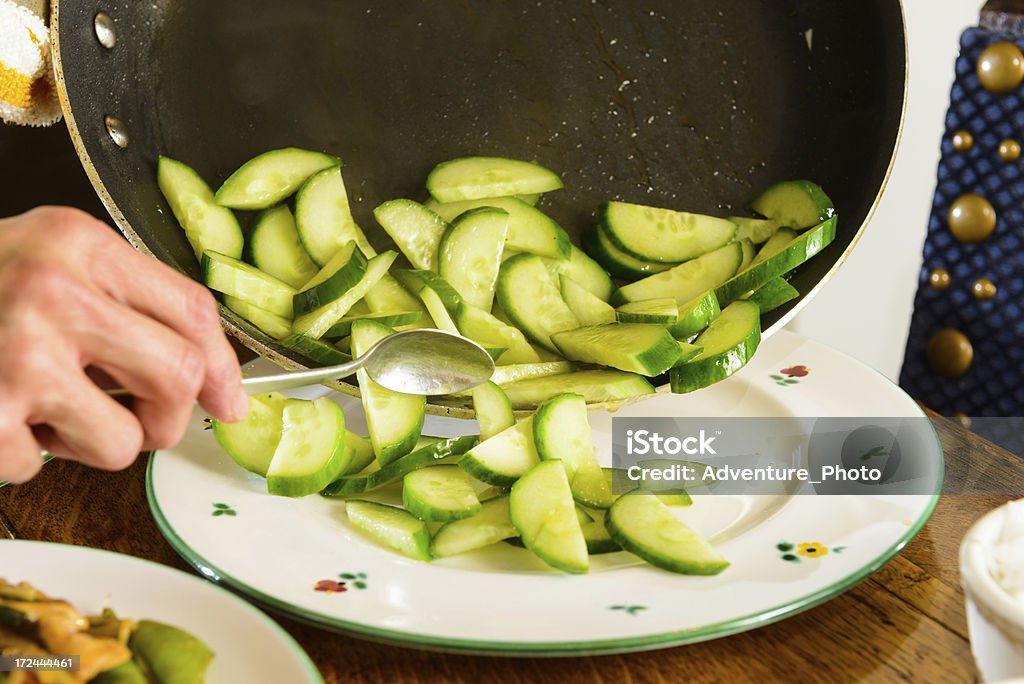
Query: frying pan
x,y
687,104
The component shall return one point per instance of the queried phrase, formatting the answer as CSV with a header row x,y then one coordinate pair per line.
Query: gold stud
x,y
950,353
939,278
963,141
1001,67
971,218
963,419
1009,150
984,289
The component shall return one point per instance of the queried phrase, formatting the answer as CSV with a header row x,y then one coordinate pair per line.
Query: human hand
x,y
79,305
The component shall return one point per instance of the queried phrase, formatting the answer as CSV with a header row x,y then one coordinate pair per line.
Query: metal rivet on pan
x,y
105,32
116,130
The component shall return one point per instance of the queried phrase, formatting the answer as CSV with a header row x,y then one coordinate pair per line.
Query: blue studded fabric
x,y
994,384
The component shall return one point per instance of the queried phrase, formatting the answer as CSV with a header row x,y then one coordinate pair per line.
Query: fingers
x,y
20,458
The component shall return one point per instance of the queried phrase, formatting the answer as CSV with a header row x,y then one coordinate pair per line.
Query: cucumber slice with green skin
x,y
661,311
773,294
439,494
596,386
316,323
488,330
507,374
415,229
251,442
238,279
502,459
695,315
532,300
687,351
757,231
529,230
643,525
362,453
687,280
618,263
391,526
561,431
388,295
493,410
312,452
168,654
794,204
267,179
395,419
596,535
274,248
273,325
663,235
440,452
490,525
775,244
324,219
749,252
472,178
729,342
585,272
543,511
636,347
207,225
338,276
585,306
792,255
438,297
470,254
391,319
316,350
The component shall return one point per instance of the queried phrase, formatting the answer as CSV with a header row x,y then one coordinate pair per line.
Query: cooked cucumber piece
x,y
393,320
395,419
440,298
316,350
583,271
529,230
542,510
749,252
489,526
388,295
775,244
773,294
561,431
338,276
324,219
663,235
757,231
695,315
618,263
643,525
596,386
207,225
274,247
661,311
531,298
167,654
312,450
266,179
493,410
362,453
238,279
637,347
317,322
415,229
729,342
792,255
275,326
487,330
439,494
795,204
585,306
251,442
687,280
472,178
502,459
391,526
470,254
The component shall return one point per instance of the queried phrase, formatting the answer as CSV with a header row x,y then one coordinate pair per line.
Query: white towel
x,y
27,92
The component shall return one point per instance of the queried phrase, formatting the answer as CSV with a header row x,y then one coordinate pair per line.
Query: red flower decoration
x,y
330,587
796,371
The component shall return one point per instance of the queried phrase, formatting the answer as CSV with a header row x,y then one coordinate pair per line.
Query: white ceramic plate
x,y
787,553
248,646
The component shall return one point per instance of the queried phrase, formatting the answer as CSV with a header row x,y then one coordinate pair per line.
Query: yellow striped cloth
x,y
27,93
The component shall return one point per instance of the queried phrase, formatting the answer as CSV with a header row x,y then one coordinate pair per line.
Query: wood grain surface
x,y
904,623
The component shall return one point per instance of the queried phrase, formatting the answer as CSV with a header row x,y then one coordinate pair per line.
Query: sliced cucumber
x,y
391,526
661,311
312,452
470,254
472,178
439,494
585,272
775,244
274,247
317,322
266,179
531,298
415,229
542,510
561,431
251,442
488,330
596,386
316,350
795,204
530,198
207,225
338,276
636,347
596,534
687,280
729,342
749,252
489,526
273,325
502,459
529,229
388,295
507,374
324,219
695,315
773,294
588,308
438,297
493,410
618,263
391,319
663,235
757,231
643,525
238,279
687,351
395,419
362,453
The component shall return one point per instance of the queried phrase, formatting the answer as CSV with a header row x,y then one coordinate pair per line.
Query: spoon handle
x,y
303,378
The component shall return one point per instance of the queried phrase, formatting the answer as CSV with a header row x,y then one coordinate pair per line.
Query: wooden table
x,y
905,622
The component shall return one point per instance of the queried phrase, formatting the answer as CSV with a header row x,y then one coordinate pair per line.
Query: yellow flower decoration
x,y
811,550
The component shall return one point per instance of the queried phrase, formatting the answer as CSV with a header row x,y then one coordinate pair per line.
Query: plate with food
x,y
130,620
